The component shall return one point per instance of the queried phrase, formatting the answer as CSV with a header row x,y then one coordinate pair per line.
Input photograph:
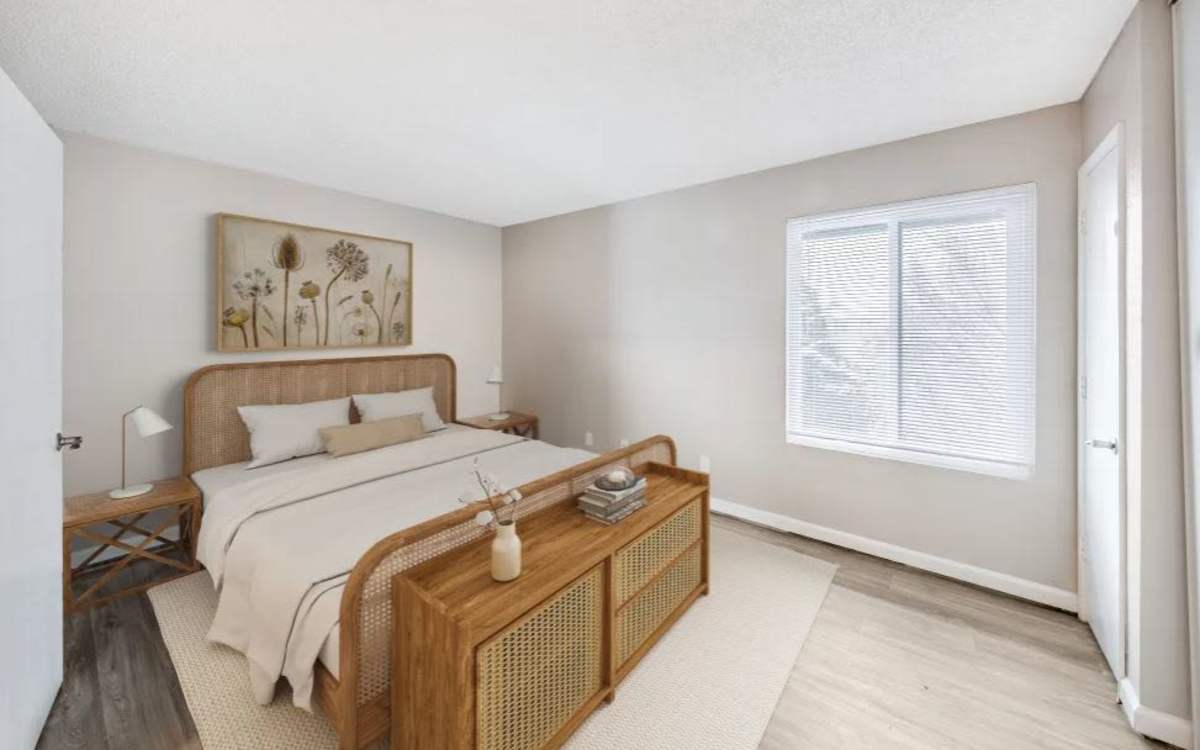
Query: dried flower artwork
x,y
285,286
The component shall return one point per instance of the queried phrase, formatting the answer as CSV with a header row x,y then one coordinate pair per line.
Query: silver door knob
x,y
1108,445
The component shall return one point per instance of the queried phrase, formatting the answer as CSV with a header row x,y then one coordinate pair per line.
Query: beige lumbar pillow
x,y
342,440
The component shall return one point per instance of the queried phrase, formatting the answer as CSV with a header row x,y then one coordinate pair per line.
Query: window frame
x,y
930,209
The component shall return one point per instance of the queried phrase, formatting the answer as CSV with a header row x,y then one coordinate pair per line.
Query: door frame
x,y
1114,141
1186,32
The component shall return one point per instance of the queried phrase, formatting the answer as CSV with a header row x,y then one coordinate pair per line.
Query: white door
x,y
31,197
1102,512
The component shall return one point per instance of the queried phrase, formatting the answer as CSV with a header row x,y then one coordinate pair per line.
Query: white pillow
x,y
375,406
285,431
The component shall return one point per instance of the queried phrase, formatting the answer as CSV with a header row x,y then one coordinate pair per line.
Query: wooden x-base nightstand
x,y
525,425
179,501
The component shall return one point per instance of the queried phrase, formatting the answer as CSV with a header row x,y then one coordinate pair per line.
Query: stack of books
x,y
610,506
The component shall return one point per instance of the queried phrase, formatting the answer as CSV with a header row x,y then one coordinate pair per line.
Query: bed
x,y
304,552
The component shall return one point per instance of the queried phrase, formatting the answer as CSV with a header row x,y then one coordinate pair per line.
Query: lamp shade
x,y
148,422
497,375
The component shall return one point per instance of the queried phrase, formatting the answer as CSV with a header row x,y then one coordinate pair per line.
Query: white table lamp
x,y
497,378
148,422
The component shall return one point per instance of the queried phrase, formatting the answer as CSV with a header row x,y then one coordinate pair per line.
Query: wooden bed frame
x,y
213,435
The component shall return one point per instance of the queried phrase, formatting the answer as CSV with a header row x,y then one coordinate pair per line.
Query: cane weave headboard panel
x,y
214,435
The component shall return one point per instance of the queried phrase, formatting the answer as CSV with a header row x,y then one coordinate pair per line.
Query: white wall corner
x,y
1003,582
1158,725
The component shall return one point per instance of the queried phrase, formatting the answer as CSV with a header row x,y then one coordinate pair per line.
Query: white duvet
x,y
280,546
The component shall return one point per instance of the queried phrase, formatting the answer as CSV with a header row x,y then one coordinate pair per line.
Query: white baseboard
x,y
1158,725
1019,587
1128,697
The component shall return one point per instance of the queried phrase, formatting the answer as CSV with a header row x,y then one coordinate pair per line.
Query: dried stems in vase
x,y
502,504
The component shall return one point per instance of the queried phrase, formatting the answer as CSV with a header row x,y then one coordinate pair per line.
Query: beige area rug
x,y
711,682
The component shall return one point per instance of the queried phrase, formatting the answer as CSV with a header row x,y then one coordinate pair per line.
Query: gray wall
x,y
139,290
666,314
1133,87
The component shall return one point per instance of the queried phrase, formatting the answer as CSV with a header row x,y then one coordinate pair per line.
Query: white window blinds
x,y
910,330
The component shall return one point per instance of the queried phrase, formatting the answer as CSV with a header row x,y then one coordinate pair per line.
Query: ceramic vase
x,y
506,552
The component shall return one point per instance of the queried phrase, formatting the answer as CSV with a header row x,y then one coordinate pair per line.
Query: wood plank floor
x,y
119,687
898,658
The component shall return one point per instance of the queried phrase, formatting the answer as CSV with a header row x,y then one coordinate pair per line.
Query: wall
x,y
31,646
1134,87
139,289
666,314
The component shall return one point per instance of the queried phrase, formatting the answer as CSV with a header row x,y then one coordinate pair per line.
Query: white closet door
x,y
31,196
1102,511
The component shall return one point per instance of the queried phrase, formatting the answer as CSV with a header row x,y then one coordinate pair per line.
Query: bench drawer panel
x,y
638,619
637,563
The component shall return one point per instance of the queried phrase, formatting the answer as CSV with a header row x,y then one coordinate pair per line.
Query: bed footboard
x,y
357,702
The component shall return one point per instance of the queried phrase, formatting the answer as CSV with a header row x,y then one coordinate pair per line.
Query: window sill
x,y
957,463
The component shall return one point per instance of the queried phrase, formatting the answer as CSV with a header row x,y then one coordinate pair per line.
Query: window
x,y
910,331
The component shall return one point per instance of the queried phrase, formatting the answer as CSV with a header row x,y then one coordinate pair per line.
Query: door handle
x,y
1108,445
74,442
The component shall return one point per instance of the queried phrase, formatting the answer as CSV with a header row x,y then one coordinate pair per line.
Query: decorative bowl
x,y
616,480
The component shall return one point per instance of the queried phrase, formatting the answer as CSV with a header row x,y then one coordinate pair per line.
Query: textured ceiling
x,y
503,111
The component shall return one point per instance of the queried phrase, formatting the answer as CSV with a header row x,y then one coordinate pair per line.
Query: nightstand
x,y
525,425
172,502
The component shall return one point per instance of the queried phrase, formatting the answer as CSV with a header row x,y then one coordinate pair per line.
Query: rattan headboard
x,y
214,435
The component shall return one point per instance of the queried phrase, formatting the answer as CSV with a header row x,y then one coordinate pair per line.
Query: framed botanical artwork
x,y
287,286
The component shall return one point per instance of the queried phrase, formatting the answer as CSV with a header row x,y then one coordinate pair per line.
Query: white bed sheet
x,y
217,478
213,480
330,650
227,483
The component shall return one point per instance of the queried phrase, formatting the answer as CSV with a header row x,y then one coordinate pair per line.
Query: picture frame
x,y
284,286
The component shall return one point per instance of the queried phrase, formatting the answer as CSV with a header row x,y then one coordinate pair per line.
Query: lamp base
x,y
132,490
499,416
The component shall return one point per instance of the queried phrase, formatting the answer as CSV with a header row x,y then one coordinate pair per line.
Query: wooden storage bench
x,y
519,665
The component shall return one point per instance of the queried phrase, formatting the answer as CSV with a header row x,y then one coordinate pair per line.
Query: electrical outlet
x,y
624,442
588,440
705,465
